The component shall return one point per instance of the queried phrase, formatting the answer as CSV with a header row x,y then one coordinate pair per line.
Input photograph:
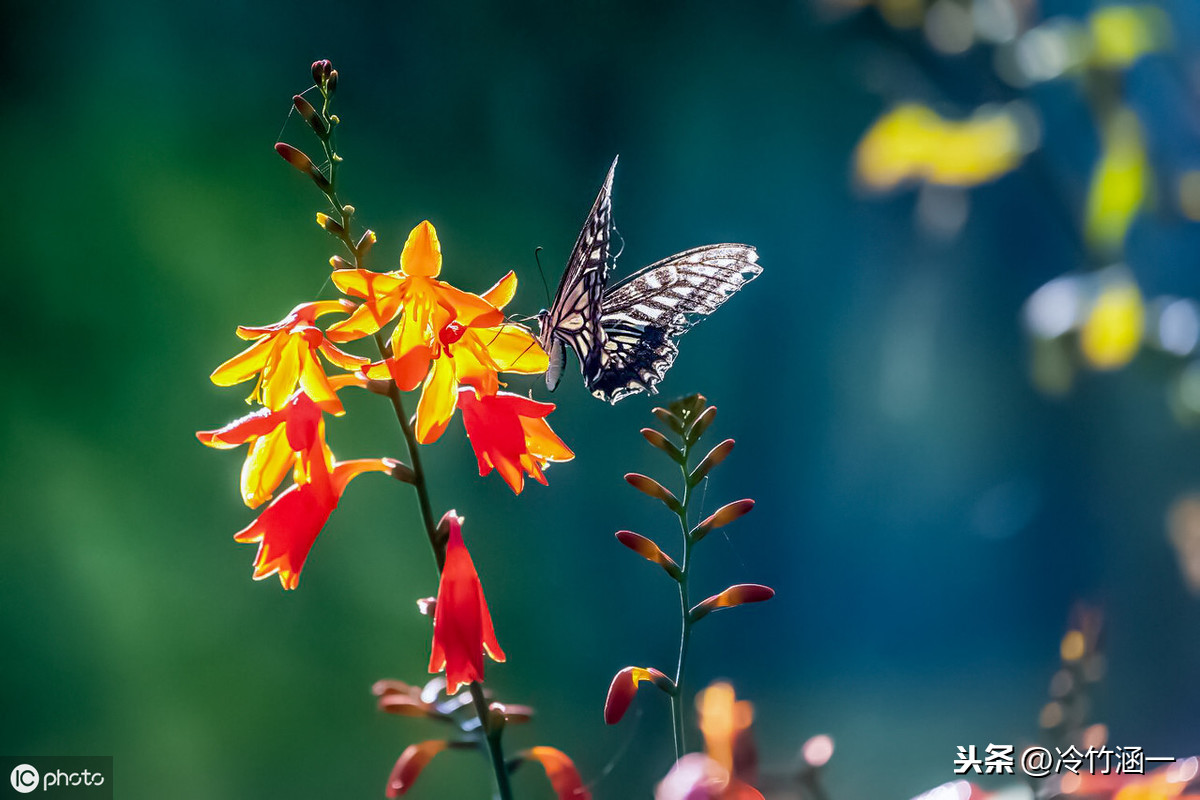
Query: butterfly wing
x,y
642,317
574,316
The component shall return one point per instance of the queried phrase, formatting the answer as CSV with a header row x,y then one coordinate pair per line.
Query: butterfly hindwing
x,y
642,317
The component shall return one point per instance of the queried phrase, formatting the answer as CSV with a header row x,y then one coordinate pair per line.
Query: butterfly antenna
x,y
545,286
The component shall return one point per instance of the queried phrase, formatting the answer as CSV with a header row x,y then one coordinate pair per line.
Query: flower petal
x,y
502,293
241,430
436,406
422,253
408,767
265,466
285,533
624,686
244,365
564,777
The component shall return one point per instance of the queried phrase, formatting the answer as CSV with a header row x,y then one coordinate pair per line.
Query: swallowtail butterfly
x,y
625,337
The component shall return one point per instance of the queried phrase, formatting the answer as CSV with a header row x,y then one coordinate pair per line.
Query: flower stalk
x,y
324,126
686,421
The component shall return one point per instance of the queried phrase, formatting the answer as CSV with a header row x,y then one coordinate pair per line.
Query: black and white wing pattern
x,y
643,316
625,338
574,317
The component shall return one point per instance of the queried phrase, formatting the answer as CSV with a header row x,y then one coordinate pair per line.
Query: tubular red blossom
x,y
462,624
286,530
509,433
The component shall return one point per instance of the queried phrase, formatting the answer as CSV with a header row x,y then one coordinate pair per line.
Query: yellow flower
x,y
284,355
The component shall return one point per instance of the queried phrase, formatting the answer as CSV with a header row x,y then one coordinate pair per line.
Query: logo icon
x,y
24,778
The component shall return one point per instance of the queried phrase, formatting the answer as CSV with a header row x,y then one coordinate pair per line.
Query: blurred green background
x,y
925,515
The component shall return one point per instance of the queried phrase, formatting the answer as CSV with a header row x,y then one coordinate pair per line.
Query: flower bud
x,y
700,424
721,517
330,224
321,70
735,595
364,243
649,551
302,163
624,686
714,457
309,114
649,486
675,423
656,439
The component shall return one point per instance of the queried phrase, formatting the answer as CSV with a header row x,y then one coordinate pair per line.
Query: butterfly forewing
x,y
643,315
625,337
574,317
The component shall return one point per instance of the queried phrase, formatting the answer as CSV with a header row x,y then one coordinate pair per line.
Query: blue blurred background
x,y
927,516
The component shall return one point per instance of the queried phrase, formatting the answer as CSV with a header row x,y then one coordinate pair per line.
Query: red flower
x,y
509,433
462,624
291,438
279,441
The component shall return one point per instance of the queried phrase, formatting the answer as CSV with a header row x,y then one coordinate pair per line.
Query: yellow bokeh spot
x,y
1073,646
1051,716
1119,183
722,717
912,142
1123,34
902,13
1112,333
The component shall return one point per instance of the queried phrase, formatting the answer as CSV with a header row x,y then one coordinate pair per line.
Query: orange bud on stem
x,y
648,485
649,551
714,457
624,686
656,439
722,516
733,596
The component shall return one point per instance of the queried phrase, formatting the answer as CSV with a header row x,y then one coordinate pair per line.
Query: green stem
x,y
495,750
685,618
491,738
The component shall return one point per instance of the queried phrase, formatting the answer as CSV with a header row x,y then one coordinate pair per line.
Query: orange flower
x,y
462,624
293,437
284,355
509,433
474,351
425,306
277,440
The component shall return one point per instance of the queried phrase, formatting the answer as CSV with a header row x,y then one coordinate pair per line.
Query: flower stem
x,y
495,750
436,541
685,618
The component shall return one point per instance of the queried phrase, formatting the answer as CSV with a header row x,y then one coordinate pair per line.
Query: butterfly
x,y
625,336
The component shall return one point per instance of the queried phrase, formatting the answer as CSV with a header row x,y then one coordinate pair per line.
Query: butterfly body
x,y
625,336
